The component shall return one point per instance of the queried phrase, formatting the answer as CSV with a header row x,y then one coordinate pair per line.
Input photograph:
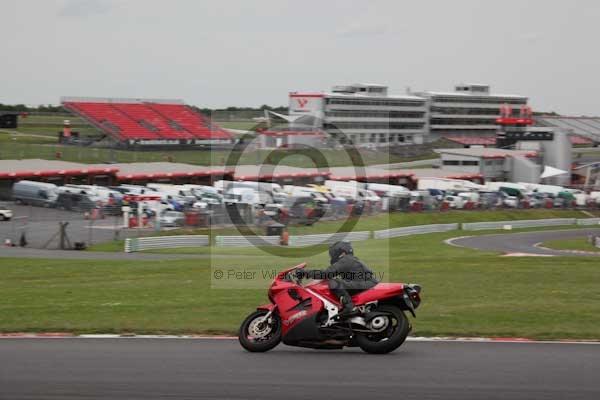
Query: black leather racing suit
x,y
346,277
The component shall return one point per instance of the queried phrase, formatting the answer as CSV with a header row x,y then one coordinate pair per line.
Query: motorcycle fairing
x,y
376,293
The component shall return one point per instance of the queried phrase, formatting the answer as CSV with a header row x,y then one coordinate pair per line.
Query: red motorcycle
x,y
308,316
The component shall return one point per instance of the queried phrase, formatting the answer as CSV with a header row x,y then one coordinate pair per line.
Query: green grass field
x,y
38,145
36,137
466,293
571,244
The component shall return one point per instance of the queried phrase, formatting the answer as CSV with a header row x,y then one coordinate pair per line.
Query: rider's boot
x,y
348,309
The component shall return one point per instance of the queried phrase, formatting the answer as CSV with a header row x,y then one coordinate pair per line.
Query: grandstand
x,y
588,127
148,122
490,141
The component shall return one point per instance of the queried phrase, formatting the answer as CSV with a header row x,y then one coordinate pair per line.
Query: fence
x,y
588,221
328,238
138,244
534,223
245,241
165,242
414,230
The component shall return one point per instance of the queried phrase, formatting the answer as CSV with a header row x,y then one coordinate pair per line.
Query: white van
x,y
274,190
354,191
35,193
237,195
136,190
473,197
176,192
595,197
99,193
73,189
386,190
301,191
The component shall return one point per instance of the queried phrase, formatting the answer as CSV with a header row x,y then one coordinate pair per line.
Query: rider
x,y
345,274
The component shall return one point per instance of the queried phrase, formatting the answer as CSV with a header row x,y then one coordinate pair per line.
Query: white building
x,y
493,164
362,114
365,114
471,110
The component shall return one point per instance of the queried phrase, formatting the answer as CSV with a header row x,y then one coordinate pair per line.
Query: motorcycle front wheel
x,y
393,332
258,335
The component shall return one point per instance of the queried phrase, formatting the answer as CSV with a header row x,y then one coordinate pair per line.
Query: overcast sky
x,y
253,52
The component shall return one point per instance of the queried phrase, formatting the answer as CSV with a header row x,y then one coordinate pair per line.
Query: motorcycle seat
x,y
378,292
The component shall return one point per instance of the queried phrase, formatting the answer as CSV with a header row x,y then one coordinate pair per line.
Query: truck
x,y
447,184
274,190
352,190
512,189
237,195
382,189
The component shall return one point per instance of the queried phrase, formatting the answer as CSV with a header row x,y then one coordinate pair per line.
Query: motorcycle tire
x,y
376,344
258,346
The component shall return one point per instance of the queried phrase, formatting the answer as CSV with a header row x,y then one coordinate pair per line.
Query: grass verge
x,y
581,244
466,293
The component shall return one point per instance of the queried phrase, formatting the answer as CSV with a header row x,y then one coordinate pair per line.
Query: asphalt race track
x,y
524,242
219,369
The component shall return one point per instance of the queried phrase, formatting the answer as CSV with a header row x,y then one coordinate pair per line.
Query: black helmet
x,y
336,250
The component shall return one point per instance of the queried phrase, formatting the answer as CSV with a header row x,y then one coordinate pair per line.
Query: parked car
x,y
35,193
171,218
535,201
304,210
74,202
453,201
179,193
511,201
273,211
206,196
490,199
5,213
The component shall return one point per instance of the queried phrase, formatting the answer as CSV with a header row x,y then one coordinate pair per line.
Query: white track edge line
x,y
410,338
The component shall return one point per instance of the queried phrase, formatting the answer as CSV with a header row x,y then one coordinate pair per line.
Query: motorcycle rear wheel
x,y
256,338
391,338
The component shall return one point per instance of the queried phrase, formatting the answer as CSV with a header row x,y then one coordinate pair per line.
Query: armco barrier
x,y
529,223
414,230
328,238
247,241
588,221
165,242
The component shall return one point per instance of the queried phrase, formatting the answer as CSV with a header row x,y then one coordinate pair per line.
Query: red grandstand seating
x,y
142,112
190,120
103,113
146,120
